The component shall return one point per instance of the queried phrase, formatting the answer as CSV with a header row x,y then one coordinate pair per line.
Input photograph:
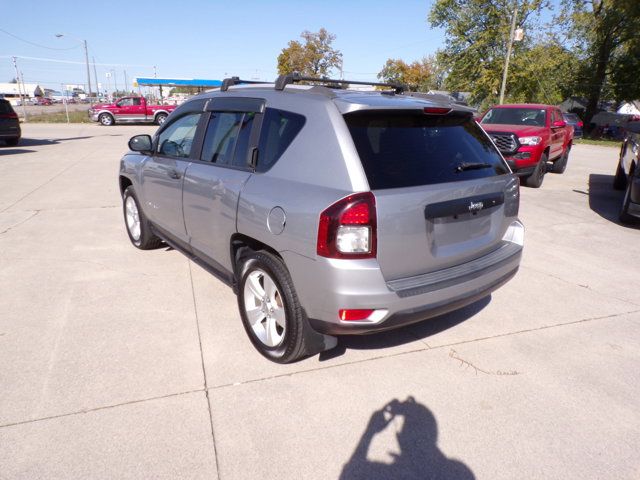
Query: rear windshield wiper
x,y
461,167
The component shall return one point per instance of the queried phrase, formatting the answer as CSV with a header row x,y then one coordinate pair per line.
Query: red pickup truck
x,y
529,136
130,109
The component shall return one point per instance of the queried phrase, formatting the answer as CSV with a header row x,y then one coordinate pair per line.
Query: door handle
x,y
174,174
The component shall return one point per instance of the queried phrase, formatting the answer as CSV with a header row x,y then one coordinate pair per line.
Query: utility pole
x,y
95,77
126,82
509,47
22,100
86,58
64,99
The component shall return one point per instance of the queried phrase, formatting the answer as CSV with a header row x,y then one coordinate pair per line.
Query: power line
x,y
73,62
35,44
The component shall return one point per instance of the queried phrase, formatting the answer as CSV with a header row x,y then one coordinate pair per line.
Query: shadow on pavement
x,y
393,338
14,151
603,199
416,431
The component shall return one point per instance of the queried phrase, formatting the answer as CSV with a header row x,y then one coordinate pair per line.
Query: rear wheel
x,y
160,118
624,211
106,119
536,178
561,164
138,227
620,180
12,142
270,310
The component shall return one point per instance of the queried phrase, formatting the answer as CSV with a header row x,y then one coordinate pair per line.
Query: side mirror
x,y
559,123
141,143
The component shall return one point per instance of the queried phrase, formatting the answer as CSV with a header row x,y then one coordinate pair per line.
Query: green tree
x,y
605,35
418,76
316,57
476,37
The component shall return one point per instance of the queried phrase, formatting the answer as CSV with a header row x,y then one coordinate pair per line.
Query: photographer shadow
x,y
419,456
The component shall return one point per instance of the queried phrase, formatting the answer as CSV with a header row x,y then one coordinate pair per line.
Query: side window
x,y
279,128
242,145
177,138
136,101
220,138
125,102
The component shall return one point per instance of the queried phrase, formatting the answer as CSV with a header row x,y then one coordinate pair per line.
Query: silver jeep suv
x,y
329,211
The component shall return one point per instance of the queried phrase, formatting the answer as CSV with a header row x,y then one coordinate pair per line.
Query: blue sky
x,y
204,39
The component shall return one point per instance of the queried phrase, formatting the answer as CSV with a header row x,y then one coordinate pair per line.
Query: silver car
x,y
328,211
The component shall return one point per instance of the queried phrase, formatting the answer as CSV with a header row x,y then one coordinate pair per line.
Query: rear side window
x,y
227,138
402,150
279,128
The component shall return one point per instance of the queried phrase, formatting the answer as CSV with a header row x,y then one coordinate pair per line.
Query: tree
x,y
605,34
417,76
476,37
314,58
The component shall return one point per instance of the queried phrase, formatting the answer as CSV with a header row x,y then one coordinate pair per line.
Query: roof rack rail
x,y
290,78
228,82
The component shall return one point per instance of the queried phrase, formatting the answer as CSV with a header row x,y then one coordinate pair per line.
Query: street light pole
x,y
86,58
509,47
22,99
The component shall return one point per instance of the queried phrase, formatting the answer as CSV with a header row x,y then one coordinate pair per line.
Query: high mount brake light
x,y
436,110
348,228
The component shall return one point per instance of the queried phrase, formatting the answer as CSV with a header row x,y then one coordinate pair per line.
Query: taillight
x,y
347,229
580,124
9,115
436,110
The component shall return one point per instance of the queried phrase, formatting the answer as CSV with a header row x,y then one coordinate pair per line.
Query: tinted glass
x,y
220,139
242,145
409,150
515,116
136,101
177,138
279,128
126,102
5,107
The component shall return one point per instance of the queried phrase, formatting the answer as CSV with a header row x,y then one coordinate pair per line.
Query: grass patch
x,y
601,142
60,117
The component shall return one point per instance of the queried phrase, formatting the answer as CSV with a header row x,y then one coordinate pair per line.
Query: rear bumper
x,y
325,286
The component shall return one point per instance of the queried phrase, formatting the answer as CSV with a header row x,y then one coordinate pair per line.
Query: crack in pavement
x,y
35,212
312,370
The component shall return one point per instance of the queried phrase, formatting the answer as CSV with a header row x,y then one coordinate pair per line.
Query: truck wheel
x,y
620,180
270,310
138,227
535,179
624,211
106,119
561,164
160,118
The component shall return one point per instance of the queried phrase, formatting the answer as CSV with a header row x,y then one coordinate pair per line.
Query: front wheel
x,y
160,118
106,119
270,310
536,178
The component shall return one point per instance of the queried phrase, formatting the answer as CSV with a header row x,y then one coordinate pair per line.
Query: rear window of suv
x,y
405,150
5,107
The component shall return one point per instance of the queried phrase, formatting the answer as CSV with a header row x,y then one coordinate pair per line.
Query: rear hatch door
x,y
444,195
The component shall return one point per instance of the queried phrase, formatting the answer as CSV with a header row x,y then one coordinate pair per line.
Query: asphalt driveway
x,y
119,363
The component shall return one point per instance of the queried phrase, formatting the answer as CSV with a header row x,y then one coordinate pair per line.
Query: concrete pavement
x,y
118,363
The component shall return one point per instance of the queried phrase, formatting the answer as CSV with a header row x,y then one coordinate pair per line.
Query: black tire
x,y
160,118
292,345
145,240
537,177
106,119
560,165
12,142
624,211
620,180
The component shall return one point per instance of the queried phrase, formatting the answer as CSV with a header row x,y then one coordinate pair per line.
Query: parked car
x,y
627,176
130,109
328,211
529,136
577,124
10,130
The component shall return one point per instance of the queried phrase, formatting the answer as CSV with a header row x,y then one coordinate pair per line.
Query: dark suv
x,y
329,211
9,125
